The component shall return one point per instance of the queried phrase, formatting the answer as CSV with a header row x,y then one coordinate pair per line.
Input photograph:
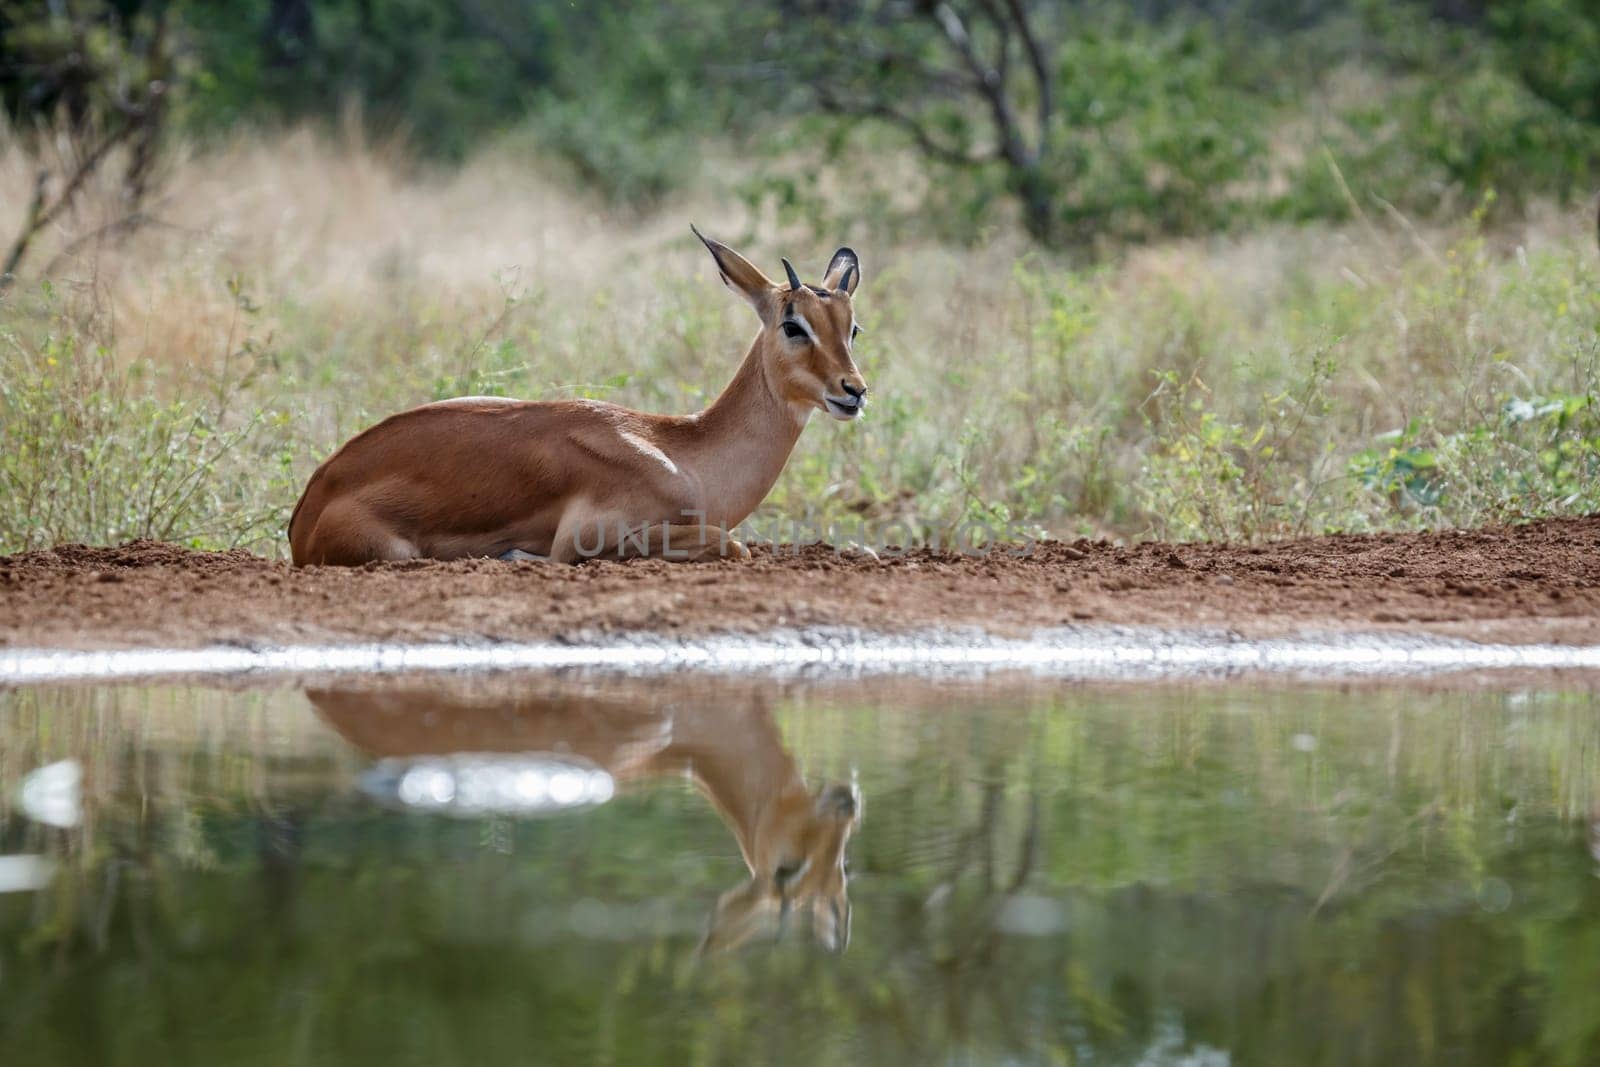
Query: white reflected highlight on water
x,y
1089,653
53,794
474,784
21,874
1030,915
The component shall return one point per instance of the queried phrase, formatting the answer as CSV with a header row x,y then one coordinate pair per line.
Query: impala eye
x,y
794,331
855,331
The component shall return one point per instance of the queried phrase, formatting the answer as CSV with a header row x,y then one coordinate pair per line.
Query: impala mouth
x,y
845,407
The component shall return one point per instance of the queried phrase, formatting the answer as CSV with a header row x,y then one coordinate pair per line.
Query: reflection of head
x,y
797,867
792,839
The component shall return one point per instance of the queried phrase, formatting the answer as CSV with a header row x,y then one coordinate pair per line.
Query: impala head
x,y
807,331
796,859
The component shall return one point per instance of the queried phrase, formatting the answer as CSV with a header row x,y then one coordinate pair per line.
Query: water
x,y
1073,653
527,869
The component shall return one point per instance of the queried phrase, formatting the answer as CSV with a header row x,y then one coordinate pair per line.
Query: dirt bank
x,y
1538,582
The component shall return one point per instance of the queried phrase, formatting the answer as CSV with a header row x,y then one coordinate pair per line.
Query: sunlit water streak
x,y
26,873
1078,653
475,784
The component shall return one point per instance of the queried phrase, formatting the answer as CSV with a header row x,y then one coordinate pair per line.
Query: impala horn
x,y
794,279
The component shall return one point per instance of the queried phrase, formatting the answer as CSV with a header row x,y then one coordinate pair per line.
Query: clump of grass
x,y
1481,370
97,451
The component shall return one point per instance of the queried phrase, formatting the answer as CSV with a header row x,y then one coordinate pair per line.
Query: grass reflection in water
x,y
1217,874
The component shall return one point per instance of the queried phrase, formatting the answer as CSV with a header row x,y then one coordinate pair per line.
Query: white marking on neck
x,y
650,450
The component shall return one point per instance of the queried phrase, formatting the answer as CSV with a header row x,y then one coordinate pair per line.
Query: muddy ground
x,y
1537,582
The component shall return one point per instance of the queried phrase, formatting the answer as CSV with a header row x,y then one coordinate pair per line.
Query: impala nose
x,y
852,391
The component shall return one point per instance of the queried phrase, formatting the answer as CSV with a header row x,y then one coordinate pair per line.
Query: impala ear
x,y
844,271
739,274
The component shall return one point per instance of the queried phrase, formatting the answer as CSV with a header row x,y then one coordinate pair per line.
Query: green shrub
x,y
1161,130
1537,456
1221,479
1434,141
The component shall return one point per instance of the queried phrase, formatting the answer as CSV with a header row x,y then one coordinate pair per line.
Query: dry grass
x,y
295,289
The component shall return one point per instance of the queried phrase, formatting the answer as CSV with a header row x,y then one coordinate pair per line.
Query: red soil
x,y
1536,582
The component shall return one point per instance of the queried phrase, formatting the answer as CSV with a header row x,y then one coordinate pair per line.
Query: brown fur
x,y
481,476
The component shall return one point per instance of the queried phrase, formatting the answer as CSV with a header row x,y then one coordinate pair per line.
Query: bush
x,y
1429,143
1164,135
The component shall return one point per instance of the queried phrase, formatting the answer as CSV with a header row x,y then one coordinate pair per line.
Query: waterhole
x,y
557,868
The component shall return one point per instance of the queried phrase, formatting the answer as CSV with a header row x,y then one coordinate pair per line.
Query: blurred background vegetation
x,y
1087,121
1223,268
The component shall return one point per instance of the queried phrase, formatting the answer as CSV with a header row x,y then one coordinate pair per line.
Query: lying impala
x,y
567,479
792,838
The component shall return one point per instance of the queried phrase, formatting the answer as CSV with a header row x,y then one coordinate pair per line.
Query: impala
x,y
792,837
567,479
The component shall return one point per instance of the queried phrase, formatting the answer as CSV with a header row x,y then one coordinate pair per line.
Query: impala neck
x,y
737,758
745,438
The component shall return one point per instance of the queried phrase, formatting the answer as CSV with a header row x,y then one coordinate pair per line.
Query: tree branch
x,y
861,51
30,226
879,109
1041,68
1002,29
989,84
943,78
41,216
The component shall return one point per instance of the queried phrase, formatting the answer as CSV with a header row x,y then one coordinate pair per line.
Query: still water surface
x,y
520,869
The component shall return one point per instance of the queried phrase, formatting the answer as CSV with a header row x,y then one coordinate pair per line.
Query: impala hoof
x,y
516,555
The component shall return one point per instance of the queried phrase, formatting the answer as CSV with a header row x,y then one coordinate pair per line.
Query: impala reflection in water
x,y
515,747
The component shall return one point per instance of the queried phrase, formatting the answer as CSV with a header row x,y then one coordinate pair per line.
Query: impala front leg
x,y
683,542
619,538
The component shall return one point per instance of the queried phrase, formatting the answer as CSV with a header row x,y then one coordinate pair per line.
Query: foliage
x,y
443,75
1189,123
1093,124
611,90
1428,141
83,60
105,74
1551,45
95,453
1226,480
1535,456
1480,449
